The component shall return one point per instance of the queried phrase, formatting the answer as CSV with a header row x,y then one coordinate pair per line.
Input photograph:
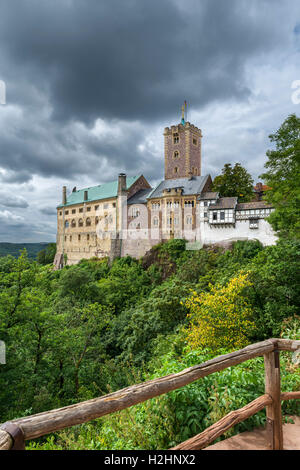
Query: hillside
x,y
14,249
96,327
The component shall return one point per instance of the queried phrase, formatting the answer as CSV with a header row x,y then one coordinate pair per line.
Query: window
x,y
205,214
88,237
215,216
155,206
135,212
222,215
79,237
176,154
176,170
60,213
205,203
176,138
88,209
65,238
188,203
73,223
195,141
96,220
114,204
70,238
88,222
189,220
155,221
80,223
67,212
81,209
67,224
253,223
73,211
96,208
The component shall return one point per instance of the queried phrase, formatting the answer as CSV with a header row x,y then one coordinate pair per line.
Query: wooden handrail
x,y
44,423
231,419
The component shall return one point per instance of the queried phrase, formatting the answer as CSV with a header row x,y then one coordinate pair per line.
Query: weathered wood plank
x,y
287,344
210,434
6,441
272,387
290,396
54,420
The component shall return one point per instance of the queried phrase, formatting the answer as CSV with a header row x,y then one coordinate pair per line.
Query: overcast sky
x,y
91,84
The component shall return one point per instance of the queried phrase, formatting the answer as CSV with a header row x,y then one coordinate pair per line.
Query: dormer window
x,y
176,138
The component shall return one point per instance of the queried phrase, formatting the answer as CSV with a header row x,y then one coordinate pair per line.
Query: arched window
x,y
135,212
176,170
73,223
176,138
155,221
176,154
67,224
80,223
88,222
96,220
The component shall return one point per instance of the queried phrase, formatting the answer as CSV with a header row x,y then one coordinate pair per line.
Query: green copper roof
x,y
95,193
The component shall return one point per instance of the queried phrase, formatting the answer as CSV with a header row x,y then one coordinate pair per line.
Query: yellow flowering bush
x,y
222,317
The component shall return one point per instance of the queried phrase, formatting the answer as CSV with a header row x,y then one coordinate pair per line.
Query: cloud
x,y
91,86
12,201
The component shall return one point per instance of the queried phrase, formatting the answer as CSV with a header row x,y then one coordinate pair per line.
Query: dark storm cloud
x,y
134,59
89,83
7,200
48,211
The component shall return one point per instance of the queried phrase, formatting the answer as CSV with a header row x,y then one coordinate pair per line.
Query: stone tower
x,y
182,150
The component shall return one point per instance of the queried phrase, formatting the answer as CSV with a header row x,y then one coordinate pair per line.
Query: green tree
x,y
234,182
283,176
47,255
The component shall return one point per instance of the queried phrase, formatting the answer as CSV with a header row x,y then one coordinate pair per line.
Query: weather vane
x,y
183,113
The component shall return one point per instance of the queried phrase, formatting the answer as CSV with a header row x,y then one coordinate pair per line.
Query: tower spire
x,y
182,115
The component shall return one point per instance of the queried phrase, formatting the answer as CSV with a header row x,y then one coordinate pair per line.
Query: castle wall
x,y
208,234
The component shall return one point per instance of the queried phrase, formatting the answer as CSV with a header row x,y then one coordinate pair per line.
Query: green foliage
x,y
47,255
14,249
234,181
89,329
283,176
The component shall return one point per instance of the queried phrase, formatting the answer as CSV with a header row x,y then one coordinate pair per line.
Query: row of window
x,y
88,222
176,139
194,171
254,212
88,209
188,220
78,237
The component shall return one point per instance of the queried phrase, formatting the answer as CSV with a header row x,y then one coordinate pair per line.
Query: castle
x,y
128,216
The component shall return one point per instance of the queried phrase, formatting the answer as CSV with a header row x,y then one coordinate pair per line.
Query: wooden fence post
x,y
272,387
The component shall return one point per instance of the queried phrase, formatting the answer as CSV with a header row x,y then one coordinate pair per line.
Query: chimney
x,y
85,197
122,186
64,195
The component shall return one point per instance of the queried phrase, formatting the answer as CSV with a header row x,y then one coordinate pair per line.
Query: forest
x,y
93,328
96,327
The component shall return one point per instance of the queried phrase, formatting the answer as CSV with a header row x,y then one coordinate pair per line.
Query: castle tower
x,y
182,150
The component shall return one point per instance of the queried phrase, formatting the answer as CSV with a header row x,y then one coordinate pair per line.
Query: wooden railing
x,y
14,433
